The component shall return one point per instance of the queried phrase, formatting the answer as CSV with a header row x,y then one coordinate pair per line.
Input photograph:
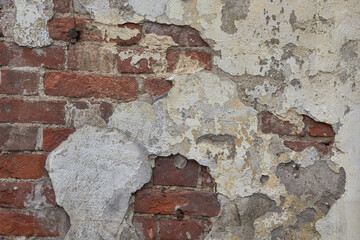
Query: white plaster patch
x,y
30,27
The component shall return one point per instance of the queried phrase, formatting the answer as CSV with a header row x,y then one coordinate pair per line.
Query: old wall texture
x,y
179,119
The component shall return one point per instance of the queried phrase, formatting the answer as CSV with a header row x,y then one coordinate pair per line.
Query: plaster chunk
x,y
30,27
94,185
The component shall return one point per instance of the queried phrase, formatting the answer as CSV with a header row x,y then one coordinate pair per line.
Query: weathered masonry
x,y
179,119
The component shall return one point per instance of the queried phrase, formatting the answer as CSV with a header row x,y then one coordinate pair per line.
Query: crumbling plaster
x,y
305,55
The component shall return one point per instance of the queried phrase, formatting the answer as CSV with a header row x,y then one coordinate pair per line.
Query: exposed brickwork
x,y
176,212
52,57
19,82
78,85
176,64
18,110
157,86
313,134
22,166
137,60
52,138
92,58
42,87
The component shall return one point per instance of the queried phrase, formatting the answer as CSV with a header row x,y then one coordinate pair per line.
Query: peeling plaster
x,y
306,53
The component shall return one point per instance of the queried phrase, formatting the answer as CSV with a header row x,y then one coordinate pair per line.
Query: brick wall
x,y
36,89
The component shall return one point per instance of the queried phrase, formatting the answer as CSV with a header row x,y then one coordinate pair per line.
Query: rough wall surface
x,y
263,94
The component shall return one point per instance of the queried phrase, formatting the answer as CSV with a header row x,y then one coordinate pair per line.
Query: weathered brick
x,y
207,180
165,173
22,166
62,6
181,61
180,230
92,58
137,60
15,194
182,35
26,194
192,203
19,110
272,124
29,223
157,86
319,129
299,146
60,27
15,138
52,57
90,85
106,110
145,227
19,82
53,137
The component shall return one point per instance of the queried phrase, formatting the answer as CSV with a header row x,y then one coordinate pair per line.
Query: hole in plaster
x,y
73,36
264,179
177,200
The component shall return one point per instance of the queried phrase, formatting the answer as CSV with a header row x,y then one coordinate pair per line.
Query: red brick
x,y
165,173
18,110
182,35
299,146
17,138
52,138
60,27
24,194
157,86
52,57
272,124
146,227
23,166
19,82
319,129
15,194
144,60
27,223
180,230
89,85
62,6
207,180
173,57
92,58
192,203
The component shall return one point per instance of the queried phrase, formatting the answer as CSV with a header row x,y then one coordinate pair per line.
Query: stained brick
x,y
90,85
15,194
299,146
62,6
18,110
52,138
28,223
192,203
59,28
182,35
319,129
180,230
145,227
272,124
15,138
207,180
92,58
181,61
157,86
19,82
165,173
137,60
23,166
52,57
